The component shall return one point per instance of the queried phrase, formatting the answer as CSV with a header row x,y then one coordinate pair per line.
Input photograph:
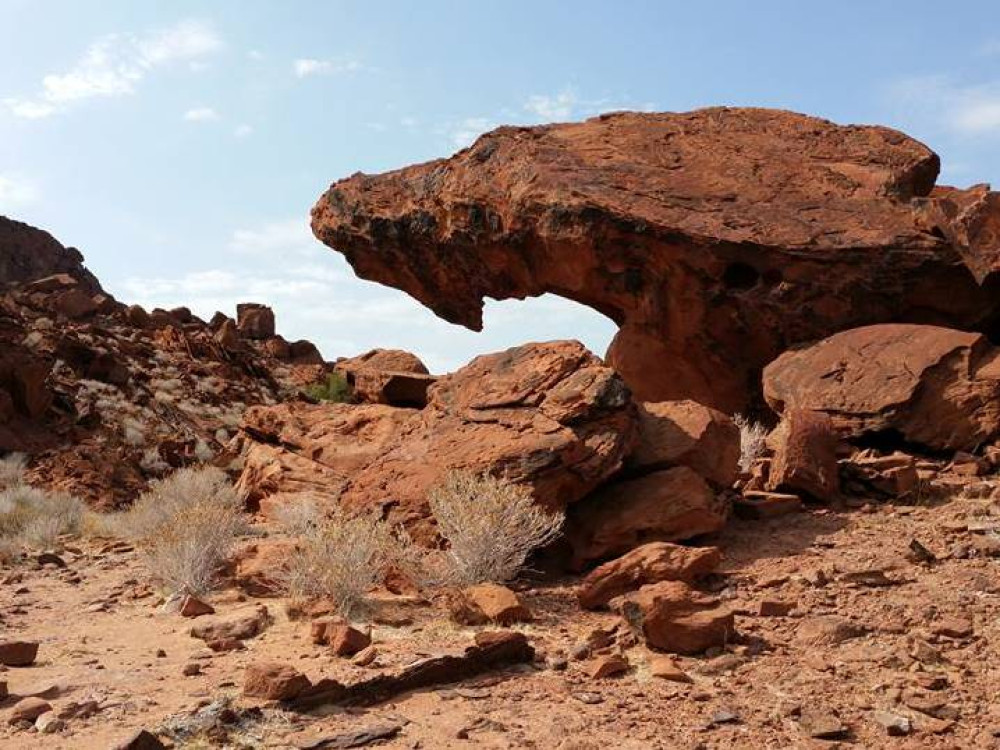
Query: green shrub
x,y
334,389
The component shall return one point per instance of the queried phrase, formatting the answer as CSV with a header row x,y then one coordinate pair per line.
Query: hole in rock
x,y
740,275
508,323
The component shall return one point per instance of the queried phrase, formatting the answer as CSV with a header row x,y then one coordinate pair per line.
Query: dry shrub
x,y
339,559
12,468
753,437
33,517
491,525
187,525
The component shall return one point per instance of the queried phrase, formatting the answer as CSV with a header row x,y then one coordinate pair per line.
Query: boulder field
x,y
715,239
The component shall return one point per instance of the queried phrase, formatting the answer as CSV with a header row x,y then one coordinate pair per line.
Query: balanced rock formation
x,y
927,385
550,416
715,239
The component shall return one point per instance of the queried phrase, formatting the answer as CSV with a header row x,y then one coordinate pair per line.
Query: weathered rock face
x,y
715,239
933,386
670,505
551,416
685,433
28,254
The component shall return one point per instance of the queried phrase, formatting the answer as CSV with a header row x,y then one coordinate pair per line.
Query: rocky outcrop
x,y
104,397
28,254
715,239
932,386
550,416
387,376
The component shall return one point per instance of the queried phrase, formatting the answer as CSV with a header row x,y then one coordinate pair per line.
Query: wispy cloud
x,y
552,107
277,239
201,114
115,65
464,132
16,192
243,130
966,109
308,66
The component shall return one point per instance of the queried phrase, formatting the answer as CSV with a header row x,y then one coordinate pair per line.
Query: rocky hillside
x,y
105,396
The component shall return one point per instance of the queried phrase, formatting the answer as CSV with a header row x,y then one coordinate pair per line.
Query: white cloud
x,y
967,109
16,191
243,130
308,66
556,107
277,238
201,114
115,64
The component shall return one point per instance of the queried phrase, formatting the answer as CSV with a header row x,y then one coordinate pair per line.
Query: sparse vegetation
x,y
186,524
334,389
34,517
12,468
491,525
339,558
753,437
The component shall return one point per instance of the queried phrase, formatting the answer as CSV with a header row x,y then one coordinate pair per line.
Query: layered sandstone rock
x,y
715,239
928,385
550,416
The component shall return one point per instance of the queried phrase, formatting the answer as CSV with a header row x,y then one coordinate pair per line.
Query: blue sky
x,y
180,145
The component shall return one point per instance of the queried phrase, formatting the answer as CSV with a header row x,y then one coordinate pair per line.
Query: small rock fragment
x,y
274,681
141,740
18,653
608,666
666,669
894,724
28,709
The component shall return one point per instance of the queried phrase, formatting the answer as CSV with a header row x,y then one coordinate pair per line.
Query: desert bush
x,y
299,516
12,468
37,517
335,389
753,437
491,525
186,524
339,559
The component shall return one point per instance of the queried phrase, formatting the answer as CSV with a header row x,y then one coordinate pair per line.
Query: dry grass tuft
x,y
36,518
12,468
339,559
187,525
753,437
491,525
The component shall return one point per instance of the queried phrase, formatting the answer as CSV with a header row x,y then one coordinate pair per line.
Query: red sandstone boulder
x,y
674,617
933,386
255,321
805,455
650,563
239,625
670,505
488,603
274,681
685,433
387,376
671,225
